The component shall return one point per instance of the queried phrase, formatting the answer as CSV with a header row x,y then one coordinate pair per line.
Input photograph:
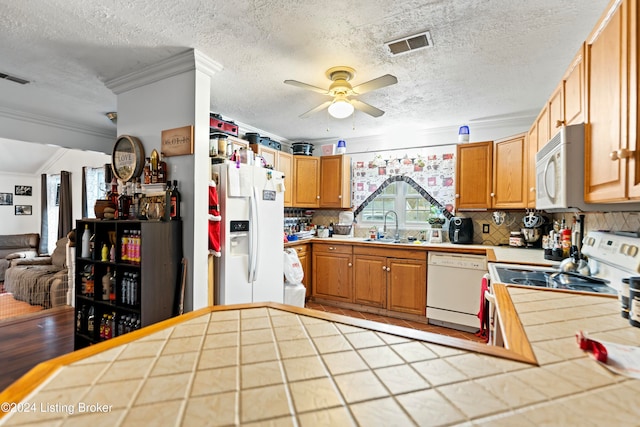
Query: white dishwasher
x,y
454,283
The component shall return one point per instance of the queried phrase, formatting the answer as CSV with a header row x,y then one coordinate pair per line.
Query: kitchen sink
x,y
383,240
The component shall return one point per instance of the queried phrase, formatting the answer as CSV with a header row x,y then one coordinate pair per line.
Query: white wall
x,y
69,160
73,161
18,224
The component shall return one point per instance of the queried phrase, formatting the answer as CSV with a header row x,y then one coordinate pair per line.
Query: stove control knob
x,y
632,251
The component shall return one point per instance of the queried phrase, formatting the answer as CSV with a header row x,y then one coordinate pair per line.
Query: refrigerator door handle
x,y
253,236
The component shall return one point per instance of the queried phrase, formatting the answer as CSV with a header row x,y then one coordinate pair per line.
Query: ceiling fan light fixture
x,y
341,108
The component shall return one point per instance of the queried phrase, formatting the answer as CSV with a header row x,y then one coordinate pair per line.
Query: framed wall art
x,y
6,199
23,209
177,142
23,190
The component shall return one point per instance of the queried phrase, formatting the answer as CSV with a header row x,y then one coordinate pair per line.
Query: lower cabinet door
x,y
332,276
407,284
370,280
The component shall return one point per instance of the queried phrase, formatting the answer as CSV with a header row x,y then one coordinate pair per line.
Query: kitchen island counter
x,y
273,363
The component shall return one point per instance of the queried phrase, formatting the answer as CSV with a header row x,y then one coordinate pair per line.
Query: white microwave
x,y
560,175
563,153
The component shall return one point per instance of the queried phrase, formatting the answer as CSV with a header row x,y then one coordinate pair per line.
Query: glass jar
x,y
516,239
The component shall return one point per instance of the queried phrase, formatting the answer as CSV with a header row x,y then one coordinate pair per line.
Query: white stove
x,y
612,257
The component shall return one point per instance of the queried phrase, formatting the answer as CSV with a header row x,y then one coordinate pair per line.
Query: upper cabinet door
x,y
510,164
335,181
306,171
474,175
606,64
574,90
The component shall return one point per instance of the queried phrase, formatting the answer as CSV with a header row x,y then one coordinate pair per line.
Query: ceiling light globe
x,y
341,109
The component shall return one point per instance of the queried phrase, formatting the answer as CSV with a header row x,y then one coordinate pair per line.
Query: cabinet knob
x,y
349,264
388,269
457,196
532,190
299,249
614,156
318,197
559,123
493,194
384,268
331,248
340,196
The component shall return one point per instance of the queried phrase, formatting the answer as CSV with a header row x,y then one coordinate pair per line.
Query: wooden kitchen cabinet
x,y
474,175
335,181
510,179
306,181
285,165
370,279
282,162
573,84
532,148
394,279
492,175
611,157
332,268
304,255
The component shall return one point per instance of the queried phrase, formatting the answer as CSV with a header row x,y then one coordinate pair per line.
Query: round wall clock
x,y
127,159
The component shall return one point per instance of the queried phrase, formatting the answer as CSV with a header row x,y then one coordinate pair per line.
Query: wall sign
x,y
177,142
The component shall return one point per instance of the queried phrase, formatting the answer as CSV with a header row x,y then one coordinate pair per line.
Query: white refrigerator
x,y
251,204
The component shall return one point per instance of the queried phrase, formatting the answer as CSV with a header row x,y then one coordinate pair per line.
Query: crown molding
x,y
189,60
41,120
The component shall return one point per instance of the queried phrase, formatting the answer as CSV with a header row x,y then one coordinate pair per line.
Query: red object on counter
x,y
598,350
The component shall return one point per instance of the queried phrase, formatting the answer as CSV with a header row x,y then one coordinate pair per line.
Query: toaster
x,y
461,230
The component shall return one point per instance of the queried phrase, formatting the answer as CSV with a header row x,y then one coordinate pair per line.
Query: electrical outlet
x,y
485,228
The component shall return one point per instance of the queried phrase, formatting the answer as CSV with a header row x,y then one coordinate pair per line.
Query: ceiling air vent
x,y
13,79
410,43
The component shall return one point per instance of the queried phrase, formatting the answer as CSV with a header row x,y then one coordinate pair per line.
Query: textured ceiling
x,y
491,60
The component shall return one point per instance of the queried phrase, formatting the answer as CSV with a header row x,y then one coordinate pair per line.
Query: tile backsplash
x,y
499,234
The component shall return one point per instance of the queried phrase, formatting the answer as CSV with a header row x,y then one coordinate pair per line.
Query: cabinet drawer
x,y
332,248
417,254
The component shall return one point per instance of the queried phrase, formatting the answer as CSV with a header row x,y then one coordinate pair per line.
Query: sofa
x,y
42,280
15,246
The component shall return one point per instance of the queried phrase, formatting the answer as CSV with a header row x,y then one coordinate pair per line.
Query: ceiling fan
x,y
343,93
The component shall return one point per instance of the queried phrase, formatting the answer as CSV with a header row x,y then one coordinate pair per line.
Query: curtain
x,y
65,214
44,216
84,193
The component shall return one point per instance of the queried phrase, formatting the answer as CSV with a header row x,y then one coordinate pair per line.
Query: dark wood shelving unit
x,y
158,273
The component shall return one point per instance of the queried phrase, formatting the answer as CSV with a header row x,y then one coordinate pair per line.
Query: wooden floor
x,y
31,339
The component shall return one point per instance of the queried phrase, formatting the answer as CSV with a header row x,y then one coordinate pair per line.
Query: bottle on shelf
x,y
106,285
163,172
80,320
175,202
147,170
112,287
104,253
86,236
565,239
124,242
112,253
91,317
154,166
90,284
103,322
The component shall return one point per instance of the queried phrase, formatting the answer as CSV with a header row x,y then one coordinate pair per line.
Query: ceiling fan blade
x,y
380,82
315,110
307,86
366,108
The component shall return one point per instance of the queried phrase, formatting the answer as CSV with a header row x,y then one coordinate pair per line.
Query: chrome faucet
x,y
397,235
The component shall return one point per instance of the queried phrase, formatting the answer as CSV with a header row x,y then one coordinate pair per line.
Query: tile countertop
x,y
502,254
282,365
